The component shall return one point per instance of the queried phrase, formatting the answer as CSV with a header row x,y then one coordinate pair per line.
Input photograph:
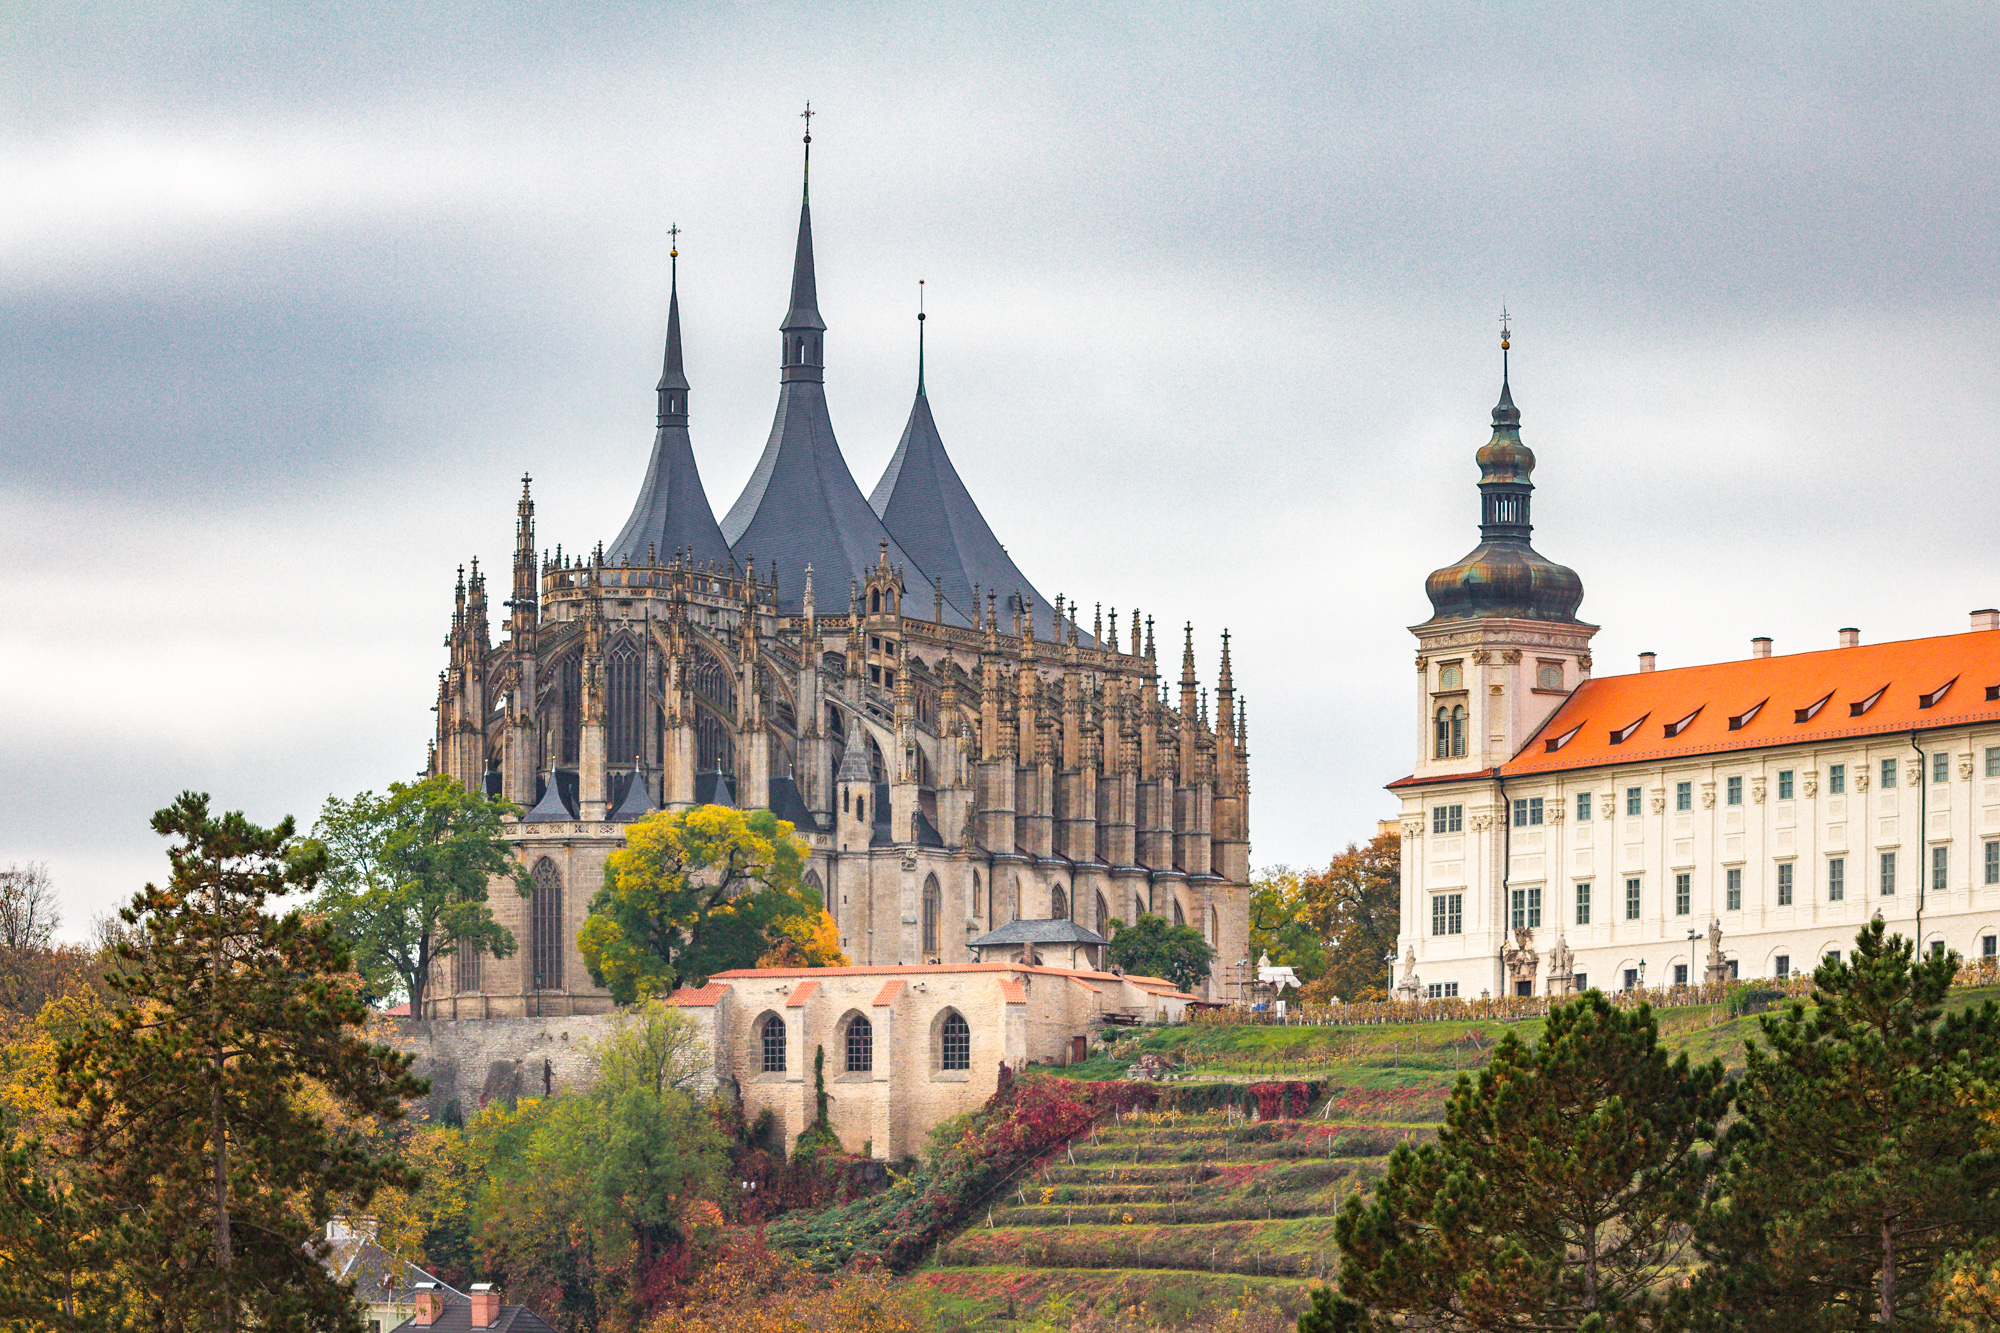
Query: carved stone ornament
x,y
1861,780
1583,663
1812,782
1757,791
1480,823
1481,657
1511,656
1413,828
1915,775
1965,768
1555,813
1422,662
1609,808
1659,801
1708,796
1521,959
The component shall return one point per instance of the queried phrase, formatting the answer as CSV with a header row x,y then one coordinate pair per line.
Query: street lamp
x,y
1642,974
1693,935
1390,959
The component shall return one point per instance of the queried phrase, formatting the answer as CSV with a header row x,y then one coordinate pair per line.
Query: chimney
x,y
1646,661
1760,647
430,1304
485,1305
1987,619
1850,637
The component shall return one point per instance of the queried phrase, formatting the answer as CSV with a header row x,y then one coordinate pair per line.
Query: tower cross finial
x,y
807,116
674,241
1505,327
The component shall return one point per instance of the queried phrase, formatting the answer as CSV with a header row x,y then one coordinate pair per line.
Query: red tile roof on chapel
x,y
1952,680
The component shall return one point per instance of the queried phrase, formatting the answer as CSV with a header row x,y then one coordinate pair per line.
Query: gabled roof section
x,y
926,507
672,513
1835,694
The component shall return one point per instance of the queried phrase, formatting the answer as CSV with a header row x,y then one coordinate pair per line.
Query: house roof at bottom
x,y
457,1318
1835,694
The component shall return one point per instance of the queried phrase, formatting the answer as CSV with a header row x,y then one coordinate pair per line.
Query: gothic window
x,y
1103,915
955,1042
977,901
714,747
772,1040
1180,918
811,881
933,903
569,682
1214,926
1458,731
465,967
877,772
1058,903
860,1045
875,601
624,672
712,679
545,928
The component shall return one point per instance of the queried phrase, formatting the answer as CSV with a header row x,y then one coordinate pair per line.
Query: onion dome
x,y
1504,576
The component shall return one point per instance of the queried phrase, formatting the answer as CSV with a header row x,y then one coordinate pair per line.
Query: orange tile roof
x,y
890,990
798,998
1879,689
1013,992
697,998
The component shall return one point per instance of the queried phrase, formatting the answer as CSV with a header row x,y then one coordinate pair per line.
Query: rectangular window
x,y
1443,990
1448,914
1735,888
1448,819
1683,893
1940,768
1680,974
1990,947
1683,796
1631,978
1836,879
1784,784
1631,900
1582,807
1527,909
1836,779
1888,874
1527,811
1781,966
1940,868
1993,863
1888,774
1833,956
1583,904
1582,982
1736,791
1993,761
1784,883
1534,909
1632,795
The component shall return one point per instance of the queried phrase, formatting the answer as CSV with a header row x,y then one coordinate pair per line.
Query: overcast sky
x,y
291,296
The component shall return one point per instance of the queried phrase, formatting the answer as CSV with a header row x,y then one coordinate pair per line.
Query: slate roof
x,y
551,808
637,802
801,505
672,513
458,1319
1056,930
930,513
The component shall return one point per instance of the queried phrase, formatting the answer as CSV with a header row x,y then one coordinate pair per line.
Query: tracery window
x,y
933,902
711,678
955,1043
569,683
1058,903
624,673
1180,918
545,929
714,747
1103,915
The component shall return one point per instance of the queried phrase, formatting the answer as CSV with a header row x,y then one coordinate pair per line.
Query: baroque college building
x,y
1741,819
959,753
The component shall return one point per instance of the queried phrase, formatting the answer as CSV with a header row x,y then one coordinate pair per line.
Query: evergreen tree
x,y
188,1119
1559,1190
1856,1166
406,879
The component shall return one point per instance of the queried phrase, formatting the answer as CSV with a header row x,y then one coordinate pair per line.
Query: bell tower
x,y
1503,646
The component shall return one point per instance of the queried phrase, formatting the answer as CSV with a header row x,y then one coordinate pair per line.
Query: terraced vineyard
x,y
1180,1212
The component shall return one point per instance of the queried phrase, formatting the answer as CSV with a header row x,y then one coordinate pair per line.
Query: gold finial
x,y
674,242
1505,334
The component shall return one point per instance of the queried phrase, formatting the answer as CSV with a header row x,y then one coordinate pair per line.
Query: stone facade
x,y
905,1047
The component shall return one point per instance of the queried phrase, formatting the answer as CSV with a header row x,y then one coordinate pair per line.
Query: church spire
x,y
804,330
673,385
920,338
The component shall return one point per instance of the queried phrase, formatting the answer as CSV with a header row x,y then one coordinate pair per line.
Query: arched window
x,y
624,667
1458,731
569,683
1442,748
875,601
1103,915
1058,903
714,747
1180,919
861,809
1214,927
860,1045
978,903
933,903
954,1043
465,967
545,928
773,1042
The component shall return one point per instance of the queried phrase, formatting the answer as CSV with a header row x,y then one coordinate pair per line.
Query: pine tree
x,y
188,1118
1856,1165
1558,1193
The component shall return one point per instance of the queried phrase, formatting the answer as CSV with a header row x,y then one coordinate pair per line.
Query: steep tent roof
x,y
801,506
672,513
929,512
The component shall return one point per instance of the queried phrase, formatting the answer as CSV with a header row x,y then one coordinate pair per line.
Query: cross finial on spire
x,y
807,116
1505,327
920,336
674,241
